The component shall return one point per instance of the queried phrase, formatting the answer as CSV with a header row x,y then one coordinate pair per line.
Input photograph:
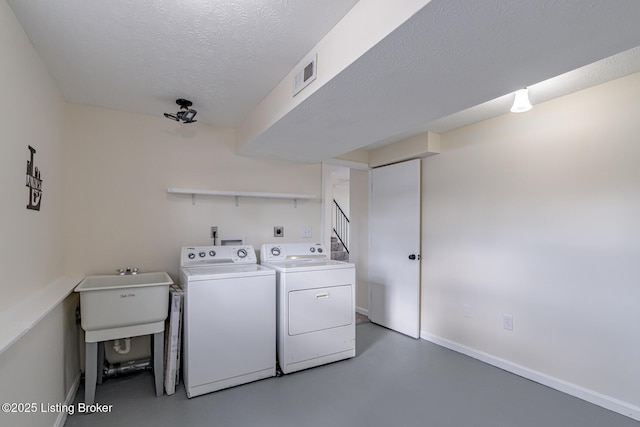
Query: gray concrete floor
x,y
393,381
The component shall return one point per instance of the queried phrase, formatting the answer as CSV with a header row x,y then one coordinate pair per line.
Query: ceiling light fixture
x,y
521,101
185,114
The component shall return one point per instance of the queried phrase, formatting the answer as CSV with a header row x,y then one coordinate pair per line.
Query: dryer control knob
x,y
319,250
212,253
275,251
202,254
242,253
312,249
191,255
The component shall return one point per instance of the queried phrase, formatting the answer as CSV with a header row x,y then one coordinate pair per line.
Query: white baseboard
x,y
574,390
363,311
70,399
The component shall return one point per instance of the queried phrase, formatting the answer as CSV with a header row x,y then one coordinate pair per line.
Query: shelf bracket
x,y
237,201
193,199
295,203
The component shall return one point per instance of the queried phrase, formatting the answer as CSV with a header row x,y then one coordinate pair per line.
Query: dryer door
x,y
312,310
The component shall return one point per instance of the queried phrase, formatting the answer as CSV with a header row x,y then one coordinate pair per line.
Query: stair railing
x,y
341,225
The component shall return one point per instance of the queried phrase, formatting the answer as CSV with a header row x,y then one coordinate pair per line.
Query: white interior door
x,y
394,253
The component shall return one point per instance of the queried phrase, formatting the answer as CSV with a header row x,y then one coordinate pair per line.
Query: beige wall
x,y
341,195
42,365
359,234
536,215
31,242
119,213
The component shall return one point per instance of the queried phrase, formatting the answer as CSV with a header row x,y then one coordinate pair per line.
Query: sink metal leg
x,y
90,372
158,359
100,361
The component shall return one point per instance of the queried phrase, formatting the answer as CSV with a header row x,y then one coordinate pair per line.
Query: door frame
x,y
361,260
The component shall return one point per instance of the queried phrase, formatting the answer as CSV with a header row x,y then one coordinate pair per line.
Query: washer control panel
x,y
203,255
279,252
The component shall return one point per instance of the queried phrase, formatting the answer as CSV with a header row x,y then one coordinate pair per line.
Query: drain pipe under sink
x,y
119,349
126,368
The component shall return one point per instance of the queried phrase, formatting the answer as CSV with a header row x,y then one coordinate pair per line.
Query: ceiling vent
x,y
306,74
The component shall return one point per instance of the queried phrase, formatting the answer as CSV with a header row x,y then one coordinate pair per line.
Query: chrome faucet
x,y
128,271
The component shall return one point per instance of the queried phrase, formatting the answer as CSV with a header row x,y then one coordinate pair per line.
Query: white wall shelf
x,y
238,194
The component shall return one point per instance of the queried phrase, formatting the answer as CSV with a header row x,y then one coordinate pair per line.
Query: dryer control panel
x,y
278,252
204,255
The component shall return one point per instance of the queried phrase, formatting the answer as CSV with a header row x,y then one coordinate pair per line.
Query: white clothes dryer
x,y
229,318
315,305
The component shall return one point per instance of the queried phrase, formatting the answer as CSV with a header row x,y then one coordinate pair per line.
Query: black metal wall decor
x,y
34,182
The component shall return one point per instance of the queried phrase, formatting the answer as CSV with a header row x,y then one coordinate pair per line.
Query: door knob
x,y
412,257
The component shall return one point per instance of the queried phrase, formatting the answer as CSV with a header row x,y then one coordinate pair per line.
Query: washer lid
x,y
308,265
226,271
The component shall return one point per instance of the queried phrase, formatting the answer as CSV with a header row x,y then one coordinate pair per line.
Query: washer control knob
x,y
275,251
242,253
191,255
319,250
202,254
212,253
312,249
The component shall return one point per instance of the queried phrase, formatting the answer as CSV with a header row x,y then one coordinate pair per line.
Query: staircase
x,y
340,236
338,251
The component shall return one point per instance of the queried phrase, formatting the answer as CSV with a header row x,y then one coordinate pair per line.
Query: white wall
x,y
119,213
537,215
41,366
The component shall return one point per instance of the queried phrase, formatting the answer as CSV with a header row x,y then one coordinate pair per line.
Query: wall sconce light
x,y
521,101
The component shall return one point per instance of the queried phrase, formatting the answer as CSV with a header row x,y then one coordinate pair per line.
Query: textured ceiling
x,y
437,71
140,56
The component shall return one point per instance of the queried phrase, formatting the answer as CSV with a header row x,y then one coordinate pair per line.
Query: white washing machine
x,y
229,318
315,305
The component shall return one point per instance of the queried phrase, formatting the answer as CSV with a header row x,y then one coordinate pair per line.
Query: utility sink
x,y
121,306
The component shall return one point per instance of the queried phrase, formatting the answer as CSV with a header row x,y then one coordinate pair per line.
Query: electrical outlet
x,y
214,232
507,322
278,231
307,232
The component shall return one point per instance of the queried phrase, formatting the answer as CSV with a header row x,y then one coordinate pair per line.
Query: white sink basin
x,y
114,306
